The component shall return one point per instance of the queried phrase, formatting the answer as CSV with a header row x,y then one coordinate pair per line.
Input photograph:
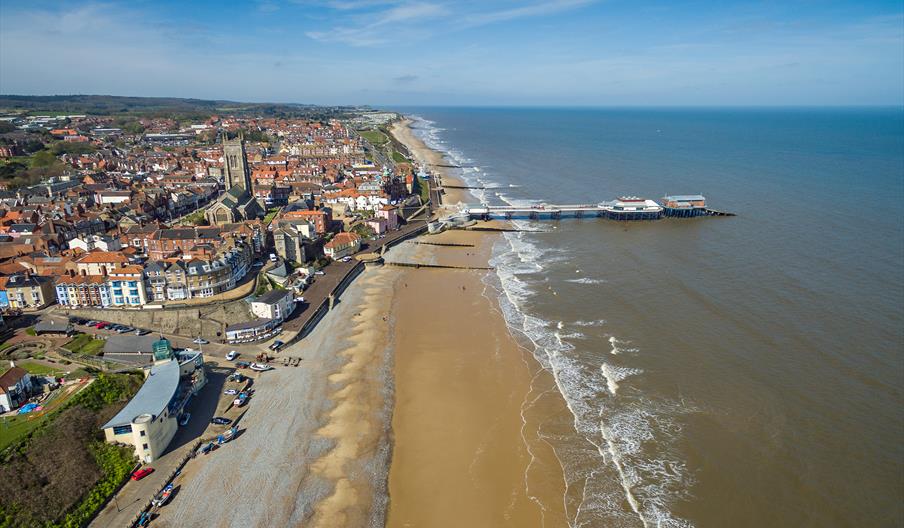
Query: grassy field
x,y
375,137
12,428
399,158
85,344
36,368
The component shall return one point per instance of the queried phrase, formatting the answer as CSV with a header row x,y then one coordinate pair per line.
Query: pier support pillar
x,y
332,301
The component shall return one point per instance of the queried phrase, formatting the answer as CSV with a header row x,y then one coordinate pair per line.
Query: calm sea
x,y
742,371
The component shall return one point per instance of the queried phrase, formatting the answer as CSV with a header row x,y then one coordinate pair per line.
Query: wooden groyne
x,y
438,266
445,244
493,229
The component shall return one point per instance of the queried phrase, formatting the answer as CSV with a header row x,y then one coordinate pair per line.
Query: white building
x,y
275,304
101,242
150,420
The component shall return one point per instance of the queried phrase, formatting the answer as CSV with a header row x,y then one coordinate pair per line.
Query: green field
x,y
36,368
399,158
85,344
375,137
12,428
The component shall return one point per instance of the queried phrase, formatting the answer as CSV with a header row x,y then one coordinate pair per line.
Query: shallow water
x,y
741,371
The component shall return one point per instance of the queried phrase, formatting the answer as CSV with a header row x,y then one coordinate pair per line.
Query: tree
x,y
43,158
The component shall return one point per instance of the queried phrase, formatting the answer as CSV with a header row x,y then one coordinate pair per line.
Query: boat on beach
x,y
260,367
164,496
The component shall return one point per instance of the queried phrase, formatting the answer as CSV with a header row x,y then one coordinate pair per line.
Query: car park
x,y
141,473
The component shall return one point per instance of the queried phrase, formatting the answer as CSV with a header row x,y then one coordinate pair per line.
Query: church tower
x,y
236,163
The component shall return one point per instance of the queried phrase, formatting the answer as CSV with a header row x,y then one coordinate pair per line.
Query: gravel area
x,y
264,477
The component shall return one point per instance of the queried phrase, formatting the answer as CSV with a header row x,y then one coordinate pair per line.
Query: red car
x,y
101,325
141,473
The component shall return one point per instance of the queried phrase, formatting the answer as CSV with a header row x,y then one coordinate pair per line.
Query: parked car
x,y
90,322
101,325
142,332
276,345
124,329
78,320
219,420
141,473
200,341
318,272
272,257
232,355
183,420
231,392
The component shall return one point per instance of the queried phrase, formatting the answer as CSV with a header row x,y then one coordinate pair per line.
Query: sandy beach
x,y
469,401
413,366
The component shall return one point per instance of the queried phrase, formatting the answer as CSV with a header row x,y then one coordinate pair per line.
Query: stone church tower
x,y
236,163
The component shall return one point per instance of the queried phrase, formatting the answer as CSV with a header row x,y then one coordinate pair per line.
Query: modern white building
x,y
150,420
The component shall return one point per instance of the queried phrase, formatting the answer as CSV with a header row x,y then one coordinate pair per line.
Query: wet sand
x,y
423,350
433,160
471,405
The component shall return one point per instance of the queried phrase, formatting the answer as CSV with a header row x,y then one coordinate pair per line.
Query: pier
x,y
623,209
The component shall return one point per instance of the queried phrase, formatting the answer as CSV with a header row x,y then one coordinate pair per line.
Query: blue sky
x,y
465,52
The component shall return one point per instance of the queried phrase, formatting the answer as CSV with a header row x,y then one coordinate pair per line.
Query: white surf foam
x,y
614,375
586,280
630,432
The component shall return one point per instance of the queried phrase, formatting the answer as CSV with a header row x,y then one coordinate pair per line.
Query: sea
x,y
718,371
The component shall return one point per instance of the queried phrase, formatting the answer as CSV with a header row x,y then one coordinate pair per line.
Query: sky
x,y
461,52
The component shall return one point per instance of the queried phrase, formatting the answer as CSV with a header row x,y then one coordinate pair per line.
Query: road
x,y
334,274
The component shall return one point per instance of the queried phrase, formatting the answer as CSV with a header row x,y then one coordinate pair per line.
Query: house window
x,y
123,429
143,433
144,446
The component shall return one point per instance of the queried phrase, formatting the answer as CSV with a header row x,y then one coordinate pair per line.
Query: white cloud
x,y
366,29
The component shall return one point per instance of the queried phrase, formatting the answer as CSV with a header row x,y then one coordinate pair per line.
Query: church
x,y
237,204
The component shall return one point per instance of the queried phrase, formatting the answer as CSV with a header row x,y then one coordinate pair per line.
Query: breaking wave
x,y
622,456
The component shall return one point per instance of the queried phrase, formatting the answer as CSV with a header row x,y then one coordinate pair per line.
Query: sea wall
x,y
207,321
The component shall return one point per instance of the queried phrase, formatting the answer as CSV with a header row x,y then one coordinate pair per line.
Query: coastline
x,y
471,405
414,405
